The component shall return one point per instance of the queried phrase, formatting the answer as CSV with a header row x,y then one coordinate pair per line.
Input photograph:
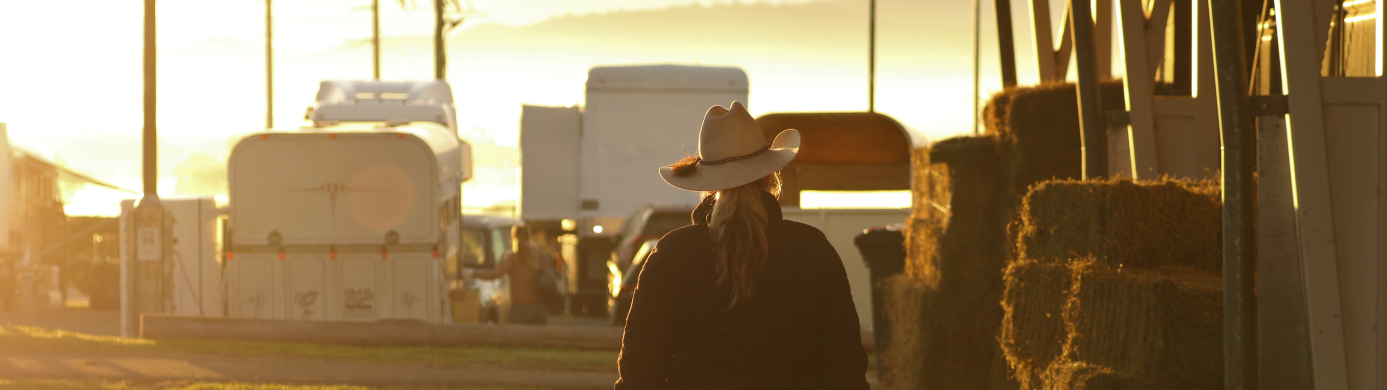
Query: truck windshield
x,y
473,247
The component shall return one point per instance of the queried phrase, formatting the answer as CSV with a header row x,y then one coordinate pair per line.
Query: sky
x,y
70,72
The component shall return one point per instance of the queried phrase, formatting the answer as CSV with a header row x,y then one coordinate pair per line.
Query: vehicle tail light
x,y
628,287
638,239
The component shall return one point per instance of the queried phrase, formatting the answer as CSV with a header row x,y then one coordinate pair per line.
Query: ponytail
x,y
738,225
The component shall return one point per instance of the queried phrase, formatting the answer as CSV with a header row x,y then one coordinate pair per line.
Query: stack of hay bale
x,y
1116,285
944,307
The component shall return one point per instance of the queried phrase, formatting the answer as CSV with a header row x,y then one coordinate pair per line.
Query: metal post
x,y
872,58
440,54
1005,45
269,68
1239,165
1093,133
375,39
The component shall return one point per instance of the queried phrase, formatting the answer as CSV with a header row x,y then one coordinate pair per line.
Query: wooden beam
x,y
1065,47
1297,31
1351,90
1283,341
1042,40
1382,206
1141,127
1102,37
1158,15
1005,46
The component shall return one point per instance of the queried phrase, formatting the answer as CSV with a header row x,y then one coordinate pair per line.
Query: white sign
x,y
147,244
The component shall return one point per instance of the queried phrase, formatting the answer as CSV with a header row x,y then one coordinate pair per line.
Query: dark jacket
x,y
799,330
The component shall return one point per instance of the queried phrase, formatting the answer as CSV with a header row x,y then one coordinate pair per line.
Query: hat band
x,y
731,159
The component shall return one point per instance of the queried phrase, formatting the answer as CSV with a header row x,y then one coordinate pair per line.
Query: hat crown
x,y
729,132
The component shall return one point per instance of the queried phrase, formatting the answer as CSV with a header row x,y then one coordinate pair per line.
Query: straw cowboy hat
x,y
732,151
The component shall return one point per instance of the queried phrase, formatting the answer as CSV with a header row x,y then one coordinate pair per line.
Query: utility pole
x,y
147,271
269,67
977,56
440,54
375,39
872,57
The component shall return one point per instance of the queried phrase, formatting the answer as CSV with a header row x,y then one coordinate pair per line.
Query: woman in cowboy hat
x,y
741,299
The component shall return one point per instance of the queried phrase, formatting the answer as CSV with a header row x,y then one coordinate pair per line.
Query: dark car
x,y
645,227
624,283
648,223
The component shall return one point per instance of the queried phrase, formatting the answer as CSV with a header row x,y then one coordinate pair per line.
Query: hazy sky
x,y
70,71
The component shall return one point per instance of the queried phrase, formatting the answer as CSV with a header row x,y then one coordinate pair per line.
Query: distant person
x,y
525,264
742,299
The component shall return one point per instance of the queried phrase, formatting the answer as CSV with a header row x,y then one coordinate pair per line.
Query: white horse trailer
x,y
344,223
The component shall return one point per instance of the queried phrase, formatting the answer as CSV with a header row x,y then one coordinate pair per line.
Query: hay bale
x,y
1041,125
1032,333
1162,326
907,300
1071,375
1168,222
1120,223
1062,220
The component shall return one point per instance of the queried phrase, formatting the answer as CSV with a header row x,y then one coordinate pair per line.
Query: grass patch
x,y
32,339
199,385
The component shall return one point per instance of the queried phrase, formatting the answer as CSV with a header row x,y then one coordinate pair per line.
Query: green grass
x,y
31,339
201,385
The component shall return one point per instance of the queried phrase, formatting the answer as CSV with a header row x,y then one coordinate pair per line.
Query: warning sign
x,y
147,244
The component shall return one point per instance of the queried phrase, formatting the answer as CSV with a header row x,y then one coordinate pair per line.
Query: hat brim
x,y
736,173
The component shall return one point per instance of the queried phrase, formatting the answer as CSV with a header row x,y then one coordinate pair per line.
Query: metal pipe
x,y
440,54
1004,43
1239,194
375,39
1093,134
269,67
872,58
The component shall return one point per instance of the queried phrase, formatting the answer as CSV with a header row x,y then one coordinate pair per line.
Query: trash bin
x,y
883,249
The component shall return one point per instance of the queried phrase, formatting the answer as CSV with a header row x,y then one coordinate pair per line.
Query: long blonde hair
x,y
738,225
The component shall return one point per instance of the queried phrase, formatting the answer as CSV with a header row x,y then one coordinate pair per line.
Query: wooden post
x,y
1094,134
375,39
977,64
269,67
1005,47
440,51
872,62
1141,127
1102,36
1297,31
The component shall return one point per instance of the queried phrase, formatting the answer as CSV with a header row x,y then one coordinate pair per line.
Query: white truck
x,y
355,218
596,165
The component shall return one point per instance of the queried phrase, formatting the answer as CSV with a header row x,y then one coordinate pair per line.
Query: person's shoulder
x,y
686,235
801,230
